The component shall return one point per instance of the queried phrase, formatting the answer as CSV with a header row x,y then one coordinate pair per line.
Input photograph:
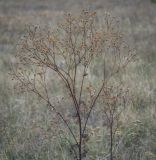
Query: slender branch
x,y
91,108
81,86
58,113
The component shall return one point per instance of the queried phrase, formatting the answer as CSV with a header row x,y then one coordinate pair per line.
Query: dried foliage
x,y
68,54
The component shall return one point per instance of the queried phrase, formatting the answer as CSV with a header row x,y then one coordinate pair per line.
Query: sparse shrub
x,y
68,55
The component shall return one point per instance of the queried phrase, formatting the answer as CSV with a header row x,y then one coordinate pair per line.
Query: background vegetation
x,y
26,126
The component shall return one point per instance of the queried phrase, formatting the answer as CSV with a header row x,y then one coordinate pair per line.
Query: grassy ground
x,y
26,130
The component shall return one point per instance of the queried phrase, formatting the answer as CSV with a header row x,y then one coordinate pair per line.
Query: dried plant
x,y
68,54
114,100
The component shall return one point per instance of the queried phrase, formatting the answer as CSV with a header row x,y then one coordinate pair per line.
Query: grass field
x,y
26,126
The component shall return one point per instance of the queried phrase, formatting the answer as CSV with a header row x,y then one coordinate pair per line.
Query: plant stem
x,y
111,141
